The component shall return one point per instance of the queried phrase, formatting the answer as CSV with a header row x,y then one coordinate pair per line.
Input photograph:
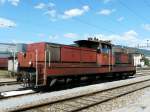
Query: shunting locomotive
x,y
43,63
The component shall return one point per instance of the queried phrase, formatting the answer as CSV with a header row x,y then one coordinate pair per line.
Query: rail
x,y
78,98
9,83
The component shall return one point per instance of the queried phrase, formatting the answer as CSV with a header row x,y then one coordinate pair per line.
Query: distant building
x,y
8,54
6,50
138,60
137,54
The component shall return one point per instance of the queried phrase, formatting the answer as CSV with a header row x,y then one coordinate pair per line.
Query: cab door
x,y
104,55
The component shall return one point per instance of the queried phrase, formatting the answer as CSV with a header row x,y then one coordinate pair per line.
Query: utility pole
x,y
147,43
14,63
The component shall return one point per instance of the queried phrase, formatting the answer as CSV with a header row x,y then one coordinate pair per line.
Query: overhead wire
x,y
130,9
92,8
133,11
87,23
93,25
147,3
99,27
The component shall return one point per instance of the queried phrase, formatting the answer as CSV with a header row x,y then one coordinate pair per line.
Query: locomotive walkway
x,y
76,99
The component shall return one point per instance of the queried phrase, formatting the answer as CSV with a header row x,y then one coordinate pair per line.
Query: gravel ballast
x,y
141,103
21,102
120,104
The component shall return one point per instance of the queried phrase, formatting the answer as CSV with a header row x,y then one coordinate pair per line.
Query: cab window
x,y
106,49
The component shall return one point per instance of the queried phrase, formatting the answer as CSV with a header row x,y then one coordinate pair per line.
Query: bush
x,y
146,61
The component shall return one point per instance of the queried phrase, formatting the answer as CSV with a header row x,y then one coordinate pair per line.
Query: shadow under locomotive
x,y
62,85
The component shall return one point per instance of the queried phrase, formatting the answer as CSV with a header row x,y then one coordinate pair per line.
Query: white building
x,y
7,49
9,52
138,59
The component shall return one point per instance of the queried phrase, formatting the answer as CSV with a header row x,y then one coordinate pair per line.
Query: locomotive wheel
x,y
124,75
50,82
67,80
76,79
91,79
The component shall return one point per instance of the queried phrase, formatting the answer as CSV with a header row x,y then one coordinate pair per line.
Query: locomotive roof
x,y
92,42
82,42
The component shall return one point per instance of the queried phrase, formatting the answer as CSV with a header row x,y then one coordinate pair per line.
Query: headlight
x,y
30,62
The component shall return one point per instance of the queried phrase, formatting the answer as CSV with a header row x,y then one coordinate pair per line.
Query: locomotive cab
x,y
99,45
103,48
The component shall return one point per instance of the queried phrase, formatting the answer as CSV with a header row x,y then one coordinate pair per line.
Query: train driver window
x,y
105,49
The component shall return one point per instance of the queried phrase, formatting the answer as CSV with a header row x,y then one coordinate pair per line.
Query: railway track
x,y
142,73
80,103
76,99
9,83
15,93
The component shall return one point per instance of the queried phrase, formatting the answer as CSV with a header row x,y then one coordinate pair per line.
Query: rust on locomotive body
x,y
44,62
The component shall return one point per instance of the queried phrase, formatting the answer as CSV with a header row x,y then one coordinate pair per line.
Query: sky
x,y
124,22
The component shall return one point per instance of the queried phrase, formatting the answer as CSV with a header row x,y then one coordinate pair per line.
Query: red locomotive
x,y
42,63
3,63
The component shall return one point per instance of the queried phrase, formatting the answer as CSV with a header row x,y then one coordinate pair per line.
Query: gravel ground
x,y
118,104
141,104
11,87
7,105
10,104
86,100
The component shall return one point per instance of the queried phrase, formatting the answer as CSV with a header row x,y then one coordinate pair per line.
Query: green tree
x,y
146,61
